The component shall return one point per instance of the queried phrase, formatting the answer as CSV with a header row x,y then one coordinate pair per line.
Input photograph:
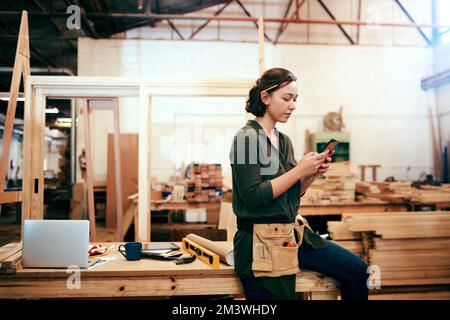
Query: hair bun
x,y
271,77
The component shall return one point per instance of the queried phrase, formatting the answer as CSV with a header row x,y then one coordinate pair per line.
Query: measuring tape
x,y
208,257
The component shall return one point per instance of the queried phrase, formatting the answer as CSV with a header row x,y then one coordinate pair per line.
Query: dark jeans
x,y
335,261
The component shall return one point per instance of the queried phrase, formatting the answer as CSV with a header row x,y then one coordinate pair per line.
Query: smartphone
x,y
330,146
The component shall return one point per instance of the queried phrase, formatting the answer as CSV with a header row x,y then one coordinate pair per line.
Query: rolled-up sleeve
x,y
253,191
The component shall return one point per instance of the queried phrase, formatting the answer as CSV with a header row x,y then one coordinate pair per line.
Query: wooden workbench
x,y
354,207
145,278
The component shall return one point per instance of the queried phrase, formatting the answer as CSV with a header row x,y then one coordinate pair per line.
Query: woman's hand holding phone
x,y
326,165
311,163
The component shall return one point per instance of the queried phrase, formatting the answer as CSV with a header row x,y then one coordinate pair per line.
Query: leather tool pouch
x,y
299,227
271,258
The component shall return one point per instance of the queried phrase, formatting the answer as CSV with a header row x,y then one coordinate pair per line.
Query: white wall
x,y
379,88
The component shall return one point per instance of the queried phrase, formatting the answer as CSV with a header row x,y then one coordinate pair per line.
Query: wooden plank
x,y
387,215
89,169
10,196
77,204
21,68
411,244
423,232
129,170
34,122
405,260
410,220
416,274
328,295
146,286
10,249
415,282
346,216
338,230
435,140
117,171
136,220
12,261
27,180
37,166
357,207
127,220
354,246
437,295
408,223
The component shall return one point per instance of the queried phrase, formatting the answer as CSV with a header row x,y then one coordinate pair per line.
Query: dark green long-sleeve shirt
x,y
254,162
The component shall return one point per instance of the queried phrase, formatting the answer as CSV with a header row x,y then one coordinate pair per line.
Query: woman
x,y
271,244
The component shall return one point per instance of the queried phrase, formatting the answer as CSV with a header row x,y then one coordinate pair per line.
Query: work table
x,y
143,278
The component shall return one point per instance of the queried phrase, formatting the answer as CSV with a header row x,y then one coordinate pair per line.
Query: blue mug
x,y
133,250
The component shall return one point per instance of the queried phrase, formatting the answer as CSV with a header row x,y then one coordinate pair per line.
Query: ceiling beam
x,y
334,19
288,7
225,18
147,22
424,36
209,20
359,19
285,25
174,28
254,22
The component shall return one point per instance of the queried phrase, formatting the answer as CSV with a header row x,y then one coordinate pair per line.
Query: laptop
x,y
55,243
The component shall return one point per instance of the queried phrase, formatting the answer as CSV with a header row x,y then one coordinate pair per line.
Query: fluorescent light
x,y
52,110
7,98
63,120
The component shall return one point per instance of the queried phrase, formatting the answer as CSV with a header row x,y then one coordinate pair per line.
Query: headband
x,y
288,78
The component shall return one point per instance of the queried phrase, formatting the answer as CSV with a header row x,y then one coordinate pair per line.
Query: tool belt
x,y
275,248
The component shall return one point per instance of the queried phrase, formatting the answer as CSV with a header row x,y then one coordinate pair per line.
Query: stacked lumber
x,y
352,245
10,257
341,235
336,187
436,292
403,192
402,225
432,194
205,184
385,191
338,230
410,248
